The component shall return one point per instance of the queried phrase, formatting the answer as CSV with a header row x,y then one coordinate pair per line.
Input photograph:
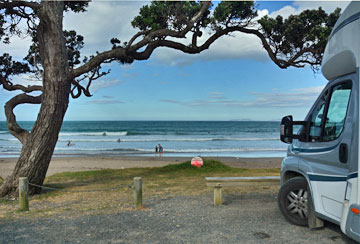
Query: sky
x,y
233,80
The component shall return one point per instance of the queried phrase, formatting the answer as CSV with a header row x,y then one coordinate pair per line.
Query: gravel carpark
x,y
246,218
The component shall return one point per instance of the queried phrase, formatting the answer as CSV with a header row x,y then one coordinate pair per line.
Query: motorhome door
x,y
324,157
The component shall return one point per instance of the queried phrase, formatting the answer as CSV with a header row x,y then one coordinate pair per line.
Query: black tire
x,y
293,201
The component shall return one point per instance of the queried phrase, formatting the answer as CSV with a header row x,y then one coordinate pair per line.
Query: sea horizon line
x,y
130,120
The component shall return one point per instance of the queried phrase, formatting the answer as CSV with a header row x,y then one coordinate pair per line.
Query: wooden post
x,y
138,192
23,194
217,195
313,221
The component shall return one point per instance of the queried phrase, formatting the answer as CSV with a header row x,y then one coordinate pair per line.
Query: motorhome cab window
x,y
316,118
328,117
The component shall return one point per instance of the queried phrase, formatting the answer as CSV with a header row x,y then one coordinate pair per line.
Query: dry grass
x,y
180,179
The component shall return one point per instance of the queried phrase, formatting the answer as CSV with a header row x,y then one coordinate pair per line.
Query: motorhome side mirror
x,y
286,129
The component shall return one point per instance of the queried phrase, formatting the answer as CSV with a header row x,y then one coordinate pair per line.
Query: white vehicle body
x,y
325,151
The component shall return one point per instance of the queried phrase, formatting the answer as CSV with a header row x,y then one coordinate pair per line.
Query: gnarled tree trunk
x,y
39,144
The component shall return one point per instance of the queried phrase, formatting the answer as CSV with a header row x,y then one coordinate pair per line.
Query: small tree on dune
x,y
54,57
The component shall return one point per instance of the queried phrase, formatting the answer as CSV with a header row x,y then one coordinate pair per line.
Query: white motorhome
x,y
319,176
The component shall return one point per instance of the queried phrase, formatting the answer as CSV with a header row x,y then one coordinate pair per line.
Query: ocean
x,y
178,138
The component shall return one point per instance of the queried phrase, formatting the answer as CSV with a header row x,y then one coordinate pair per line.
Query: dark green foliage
x,y
296,41
309,29
115,42
74,43
76,6
9,25
10,67
166,15
3,37
228,13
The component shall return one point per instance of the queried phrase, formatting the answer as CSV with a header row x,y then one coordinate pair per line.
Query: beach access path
x,y
73,164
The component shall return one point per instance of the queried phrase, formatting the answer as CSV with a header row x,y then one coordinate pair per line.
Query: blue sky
x,y
233,80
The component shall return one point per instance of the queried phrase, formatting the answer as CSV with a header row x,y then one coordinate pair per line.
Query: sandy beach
x,y
71,164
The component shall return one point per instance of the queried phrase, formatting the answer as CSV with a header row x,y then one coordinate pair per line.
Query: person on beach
x,y
156,149
161,150
69,144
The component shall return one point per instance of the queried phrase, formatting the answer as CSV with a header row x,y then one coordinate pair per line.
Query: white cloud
x,y
183,74
216,95
299,6
100,84
309,90
237,46
328,6
19,45
103,21
18,48
130,75
25,80
105,101
285,12
302,97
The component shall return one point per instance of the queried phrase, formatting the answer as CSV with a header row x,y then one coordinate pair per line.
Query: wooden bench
x,y
219,182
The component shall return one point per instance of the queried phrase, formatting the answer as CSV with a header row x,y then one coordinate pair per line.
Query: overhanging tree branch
x,y
114,54
7,85
171,33
95,74
235,20
13,126
125,54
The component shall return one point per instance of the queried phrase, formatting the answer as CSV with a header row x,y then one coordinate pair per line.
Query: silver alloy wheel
x,y
298,203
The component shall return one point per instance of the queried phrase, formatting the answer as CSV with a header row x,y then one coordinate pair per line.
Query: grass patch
x,y
209,166
170,180
1,181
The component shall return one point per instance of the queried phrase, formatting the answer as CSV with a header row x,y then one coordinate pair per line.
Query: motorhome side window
x,y
328,117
